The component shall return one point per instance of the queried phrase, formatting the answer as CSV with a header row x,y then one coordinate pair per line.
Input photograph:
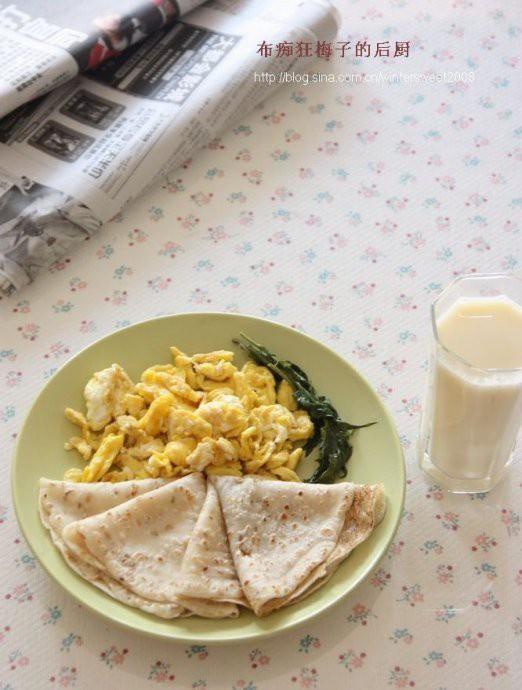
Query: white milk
x,y
477,413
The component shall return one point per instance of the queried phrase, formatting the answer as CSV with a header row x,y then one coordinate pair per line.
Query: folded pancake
x,y
208,574
279,532
286,539
142,543
198,546
366,512
62,503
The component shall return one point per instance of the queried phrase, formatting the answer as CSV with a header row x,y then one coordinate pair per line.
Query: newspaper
x,y
45,43
71,159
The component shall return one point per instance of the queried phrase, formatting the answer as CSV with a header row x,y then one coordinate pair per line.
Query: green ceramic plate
x,y
377,458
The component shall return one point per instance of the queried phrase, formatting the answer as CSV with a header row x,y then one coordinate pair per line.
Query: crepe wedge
x,y
63,503
365,513
207,572
141,544
286,539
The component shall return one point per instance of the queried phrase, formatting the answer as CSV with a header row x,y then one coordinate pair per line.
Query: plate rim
x,y
180,637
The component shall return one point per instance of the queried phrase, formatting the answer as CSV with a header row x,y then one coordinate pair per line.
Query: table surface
x,y
340,210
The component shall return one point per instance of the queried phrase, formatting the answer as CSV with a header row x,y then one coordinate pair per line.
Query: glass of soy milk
x,y
473,407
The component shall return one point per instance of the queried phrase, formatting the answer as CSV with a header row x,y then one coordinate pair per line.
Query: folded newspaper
x,y
98,106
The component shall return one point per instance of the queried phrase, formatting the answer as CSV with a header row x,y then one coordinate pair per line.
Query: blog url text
x,y
305,79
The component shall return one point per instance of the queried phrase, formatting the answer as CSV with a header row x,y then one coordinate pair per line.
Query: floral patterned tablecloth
x,y
339,209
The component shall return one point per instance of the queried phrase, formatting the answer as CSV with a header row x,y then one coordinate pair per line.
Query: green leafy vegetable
x,y
331,433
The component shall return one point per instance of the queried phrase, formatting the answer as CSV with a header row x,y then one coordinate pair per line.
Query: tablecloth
x,y
341,210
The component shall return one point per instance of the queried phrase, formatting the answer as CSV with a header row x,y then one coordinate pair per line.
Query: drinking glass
x,y
471,416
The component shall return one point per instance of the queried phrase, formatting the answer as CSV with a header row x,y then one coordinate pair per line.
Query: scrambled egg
x,y
200,413
105,395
